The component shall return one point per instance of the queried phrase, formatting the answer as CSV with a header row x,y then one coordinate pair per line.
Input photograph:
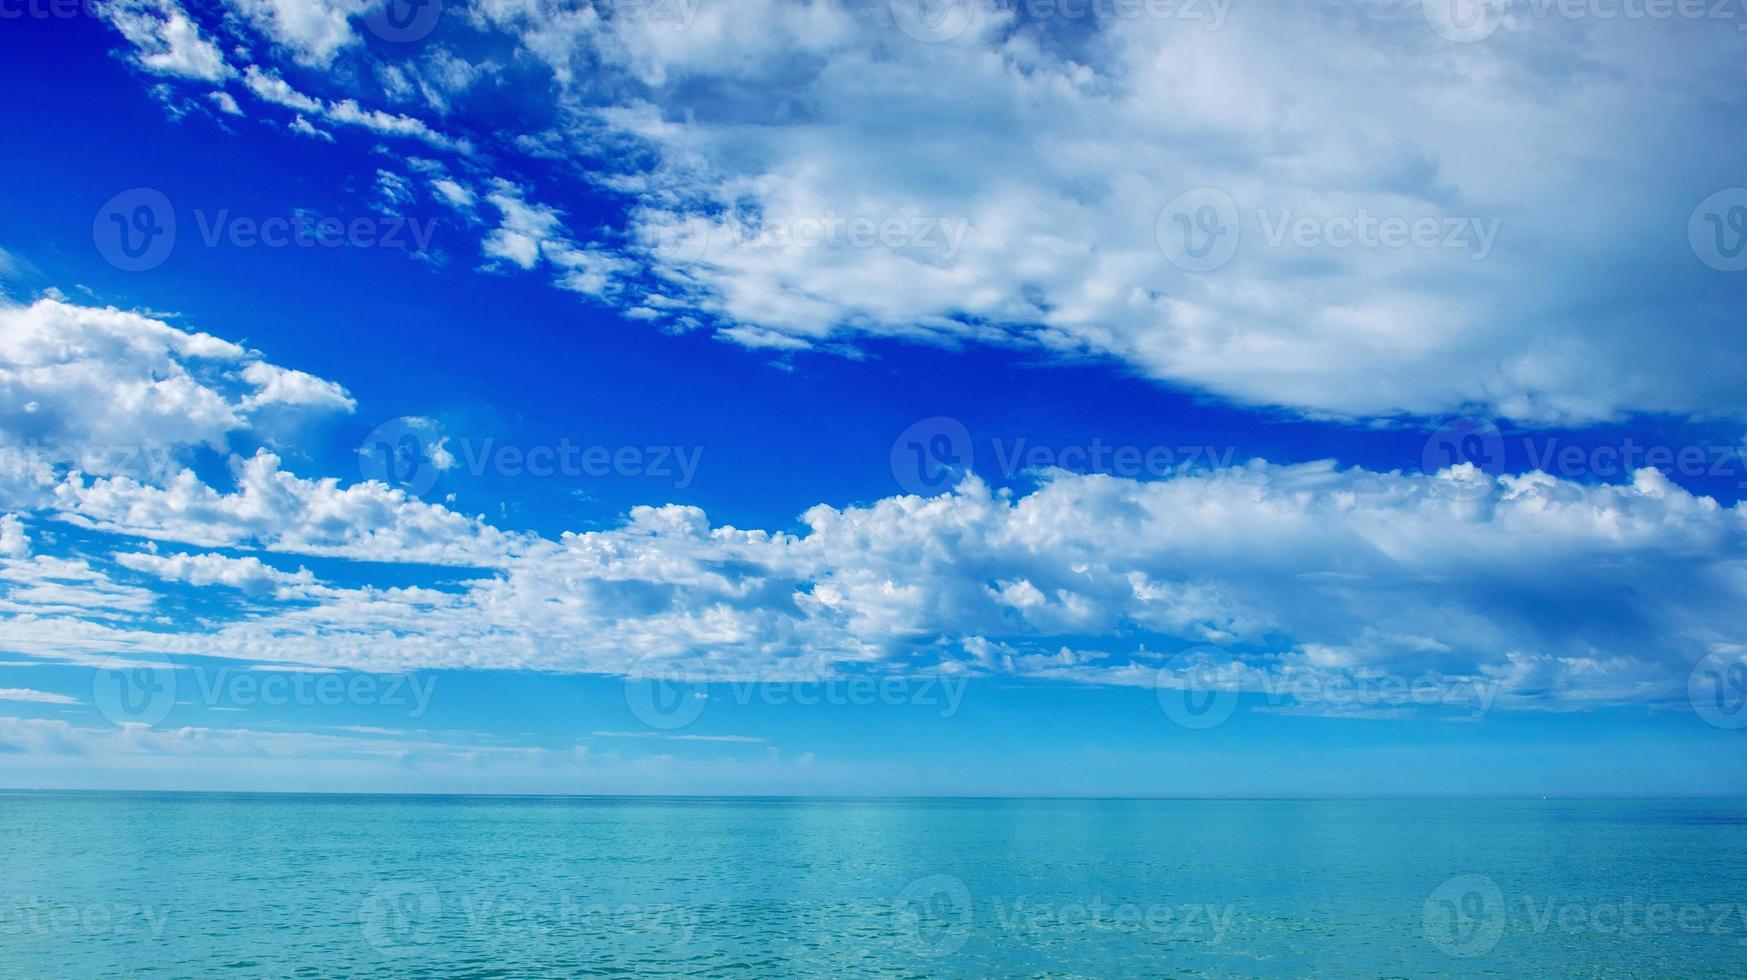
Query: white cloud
x,y
528,234
1558,591
35,697
246,574
314,31
1555,593
456,196
225,102
1058,146
105,391
348,111
46,586
278,511
14,543
270,87
790,163
304,127
165,39
283,386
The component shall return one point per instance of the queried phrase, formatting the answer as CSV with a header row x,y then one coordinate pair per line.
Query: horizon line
x,y
1548,798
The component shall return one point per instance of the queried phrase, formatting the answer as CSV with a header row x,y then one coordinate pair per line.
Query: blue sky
x,y
811,398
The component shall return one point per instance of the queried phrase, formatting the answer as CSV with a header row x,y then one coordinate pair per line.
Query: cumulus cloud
x,y
107,391
1553,592
39,589
282,386
279,511
1548,593
246,574
14,543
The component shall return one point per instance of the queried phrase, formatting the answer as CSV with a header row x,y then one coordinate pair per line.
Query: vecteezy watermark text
x,y
938,915
1199,689
37,916
931,455
142,692
409,454
1468,21
666,698
1201,230
1469,915
136,230
314,231
1482,445
146,464
939,236
398,919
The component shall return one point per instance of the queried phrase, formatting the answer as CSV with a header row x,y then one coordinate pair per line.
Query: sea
x,y
200,885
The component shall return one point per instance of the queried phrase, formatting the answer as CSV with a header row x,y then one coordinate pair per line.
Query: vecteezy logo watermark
x,y
933,21
1479,451
399,919
935,914
1198,689
140,693
1198,230
1016,456
1717,230
410,454
931,455
49,9
135,230
1468,916
1464,21
1362,229
665,696
508,914
1043,922
1717,689
300,230
1464,917
277,688
134,692
937,236
404,21
34,916
1191,690
145,464
662,697
1474,442
397,453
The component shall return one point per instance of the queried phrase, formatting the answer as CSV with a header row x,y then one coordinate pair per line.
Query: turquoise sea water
x,y
202,885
